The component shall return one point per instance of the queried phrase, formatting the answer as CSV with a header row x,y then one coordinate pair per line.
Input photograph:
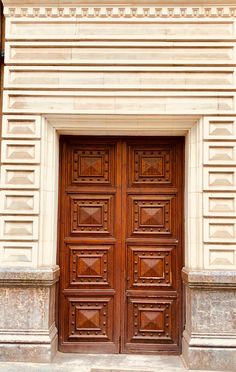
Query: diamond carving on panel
x,y
90,318
150,266
92,215
91,166
151,320
151,166
151,215
89,265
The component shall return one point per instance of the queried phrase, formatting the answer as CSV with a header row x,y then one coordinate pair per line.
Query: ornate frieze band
x,y
122,12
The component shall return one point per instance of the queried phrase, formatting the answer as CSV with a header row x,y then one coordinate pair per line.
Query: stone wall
x,y
118,61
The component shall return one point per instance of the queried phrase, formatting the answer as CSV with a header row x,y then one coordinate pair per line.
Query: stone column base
x,y
27,314
209,339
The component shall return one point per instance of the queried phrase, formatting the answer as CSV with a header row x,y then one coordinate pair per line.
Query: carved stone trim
x,y
122,12
44,276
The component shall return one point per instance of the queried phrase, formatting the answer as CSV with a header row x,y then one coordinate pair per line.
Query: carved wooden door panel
x,y
90,246
120,244
152,244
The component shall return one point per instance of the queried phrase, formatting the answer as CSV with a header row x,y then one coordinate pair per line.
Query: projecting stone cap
x,y
209,278
41,276
182,3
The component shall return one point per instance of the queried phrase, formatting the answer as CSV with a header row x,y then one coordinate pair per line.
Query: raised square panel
x,y
21,127
19,228
92,214
219,204
18,253
151,215
150,320
89,265
219,230
150,166
150,266
219,179
219,128
23,152
219,153
219,257
92,166
90,318
19,202
20,177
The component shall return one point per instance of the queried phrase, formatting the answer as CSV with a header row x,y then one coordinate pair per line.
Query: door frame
x,y
121,148
181,125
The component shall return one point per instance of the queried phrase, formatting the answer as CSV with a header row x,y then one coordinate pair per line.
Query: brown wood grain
x,y
121,249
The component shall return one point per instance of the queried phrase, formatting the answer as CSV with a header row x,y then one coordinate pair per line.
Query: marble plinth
x,y
27,314
209,338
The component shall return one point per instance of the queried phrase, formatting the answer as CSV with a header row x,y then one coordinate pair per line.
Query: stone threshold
x,y
68,362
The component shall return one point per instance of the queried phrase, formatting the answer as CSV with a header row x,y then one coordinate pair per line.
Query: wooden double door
x,y
121,224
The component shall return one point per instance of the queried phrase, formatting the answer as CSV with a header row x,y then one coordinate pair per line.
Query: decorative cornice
x,y
122,12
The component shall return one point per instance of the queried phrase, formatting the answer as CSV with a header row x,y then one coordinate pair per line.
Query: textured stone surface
x,y
24,307
214,311
209,339
27,314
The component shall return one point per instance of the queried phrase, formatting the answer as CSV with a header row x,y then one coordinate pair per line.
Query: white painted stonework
x,y
132,61
113,69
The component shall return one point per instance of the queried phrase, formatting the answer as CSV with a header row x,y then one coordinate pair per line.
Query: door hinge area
x,y
2,55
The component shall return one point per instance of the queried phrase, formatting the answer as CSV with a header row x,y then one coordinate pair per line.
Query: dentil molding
x,y
34,9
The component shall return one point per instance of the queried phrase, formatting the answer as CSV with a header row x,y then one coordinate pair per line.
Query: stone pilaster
x,y
209,338
27,314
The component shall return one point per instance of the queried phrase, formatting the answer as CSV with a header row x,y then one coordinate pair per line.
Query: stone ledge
x,y
15,336
22,276
209,279
209,358
135,3
28,352
210,340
